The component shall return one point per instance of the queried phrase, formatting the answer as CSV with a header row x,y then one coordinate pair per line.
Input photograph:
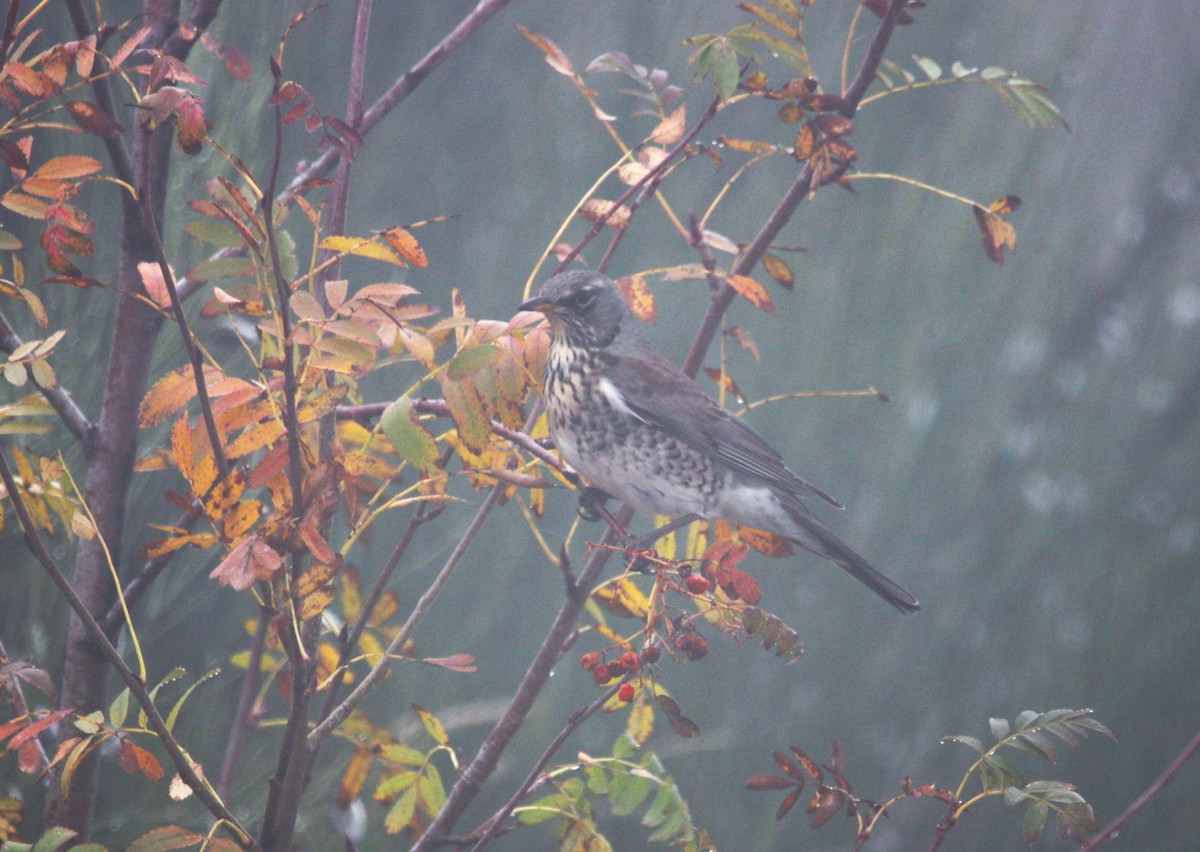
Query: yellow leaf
x,y
71,166
363,248
596,208
641,718
168,395
622,598
432,725
640,299
354,777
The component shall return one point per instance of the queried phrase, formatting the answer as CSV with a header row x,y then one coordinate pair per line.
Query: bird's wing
x,y
658,392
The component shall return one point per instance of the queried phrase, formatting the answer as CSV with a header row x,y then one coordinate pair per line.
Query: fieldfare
x,y
639,429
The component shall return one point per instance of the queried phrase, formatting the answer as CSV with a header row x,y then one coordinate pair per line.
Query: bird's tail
x,y
817,538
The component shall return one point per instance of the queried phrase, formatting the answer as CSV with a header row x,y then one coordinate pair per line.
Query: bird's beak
x,y
536,304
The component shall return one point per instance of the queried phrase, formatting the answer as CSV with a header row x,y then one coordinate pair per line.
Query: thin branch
x,y
245,706
203,14
339,714
475,775
33,541
576,719
60,400
748,259
195,358
1160,784
16,695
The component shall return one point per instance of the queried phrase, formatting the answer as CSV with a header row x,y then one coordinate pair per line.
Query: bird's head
x,y
584,308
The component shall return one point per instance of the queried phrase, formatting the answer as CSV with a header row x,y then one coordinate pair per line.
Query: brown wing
x,y
660,393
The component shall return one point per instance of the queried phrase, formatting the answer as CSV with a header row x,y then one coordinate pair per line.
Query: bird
x,y
641,430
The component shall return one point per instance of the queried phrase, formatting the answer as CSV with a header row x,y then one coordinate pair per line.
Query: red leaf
x,y
787,803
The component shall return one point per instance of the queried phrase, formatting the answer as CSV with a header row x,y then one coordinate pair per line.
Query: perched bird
x,y
642,431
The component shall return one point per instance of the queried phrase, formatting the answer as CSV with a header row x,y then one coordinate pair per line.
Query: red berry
x,y
697,585
600,675
616,669
589,661
625,693
630,662
651,654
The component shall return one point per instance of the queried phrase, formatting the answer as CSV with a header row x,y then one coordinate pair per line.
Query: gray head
x,y
585,308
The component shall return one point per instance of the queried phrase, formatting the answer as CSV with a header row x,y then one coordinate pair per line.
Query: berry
x,y
651,654
625,693
600,675
630,662
697,585
692,645
589,661
616,669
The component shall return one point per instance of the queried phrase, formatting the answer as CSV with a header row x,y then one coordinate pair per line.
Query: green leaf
x,y
400,814
627,792
999,727
402,754
222,268
395,785
1025,718
467,361
213,233
53,839
547,807
973,742
410,439
174,714
119,708
932,70
1034,821
597,780
725,73
8,242
171,676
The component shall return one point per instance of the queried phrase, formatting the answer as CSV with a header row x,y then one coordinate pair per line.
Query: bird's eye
x,y
582,300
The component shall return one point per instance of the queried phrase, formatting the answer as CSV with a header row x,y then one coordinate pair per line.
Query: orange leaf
x,y
169,394
555,58
65,168
778,269
805,138
406,246
766,543
997,232
639,297
753,291
354,777
156,286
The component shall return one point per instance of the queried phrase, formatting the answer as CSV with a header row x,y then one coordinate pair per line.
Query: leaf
x,y
788,803
165,839
1034,821
595,209
779,271
432,726
754,292
67,167
454,663
997,233
472,359
409,438
354,776
637,294
555,58
640,725
401,813
1000,728
466,409
406,246
363,248
760,783
251,560
670,129
623,598
680,724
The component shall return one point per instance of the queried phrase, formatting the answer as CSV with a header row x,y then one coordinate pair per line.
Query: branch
x,y
137,689
16,695
1160,783
748,259
576,719
245,705
60,400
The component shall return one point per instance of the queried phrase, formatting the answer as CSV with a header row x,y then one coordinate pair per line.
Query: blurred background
x,y
1033,480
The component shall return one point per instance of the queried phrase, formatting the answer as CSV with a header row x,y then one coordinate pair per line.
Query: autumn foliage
x,y
279,466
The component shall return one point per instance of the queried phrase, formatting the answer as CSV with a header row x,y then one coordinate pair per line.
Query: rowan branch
x,y
60,400
137,689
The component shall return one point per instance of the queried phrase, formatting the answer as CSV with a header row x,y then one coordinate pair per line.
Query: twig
x,y
137,689
483,764
1160,784
343,710
16,695
748,259
576,719
195,358
245,706
60,400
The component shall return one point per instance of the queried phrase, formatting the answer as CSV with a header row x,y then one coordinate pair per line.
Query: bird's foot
x,y
591,501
